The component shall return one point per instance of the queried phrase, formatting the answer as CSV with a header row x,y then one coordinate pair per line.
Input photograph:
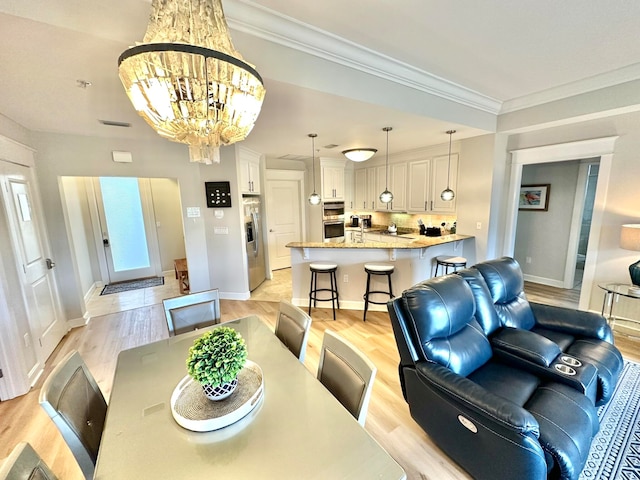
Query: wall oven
x,y
333,222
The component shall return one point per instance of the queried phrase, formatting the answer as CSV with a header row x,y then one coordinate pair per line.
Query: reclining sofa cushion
x,y
472,405
584,335
441,315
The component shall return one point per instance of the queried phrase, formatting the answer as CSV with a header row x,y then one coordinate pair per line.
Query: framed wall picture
x,y
534,197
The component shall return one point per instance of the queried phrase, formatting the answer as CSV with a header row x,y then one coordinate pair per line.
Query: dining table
x,y
296,430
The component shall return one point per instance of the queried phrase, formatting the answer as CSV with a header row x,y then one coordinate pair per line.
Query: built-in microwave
x,y
333,211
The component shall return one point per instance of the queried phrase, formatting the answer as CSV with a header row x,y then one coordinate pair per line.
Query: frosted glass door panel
x,y
125,223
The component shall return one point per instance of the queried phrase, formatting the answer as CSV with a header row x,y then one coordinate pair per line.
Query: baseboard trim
x,y
543,281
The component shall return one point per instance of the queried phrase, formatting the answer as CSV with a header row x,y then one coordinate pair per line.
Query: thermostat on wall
x,y
218,194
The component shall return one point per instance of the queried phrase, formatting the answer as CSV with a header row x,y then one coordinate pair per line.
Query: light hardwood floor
x,y
388,421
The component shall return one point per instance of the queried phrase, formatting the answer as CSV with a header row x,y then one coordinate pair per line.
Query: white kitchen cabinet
x,y
439,176
360,189
249,164
397,185
427,179
332,178
348,189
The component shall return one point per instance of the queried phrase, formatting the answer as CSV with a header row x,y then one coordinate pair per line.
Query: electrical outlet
x,y
345,278
527,259
478,225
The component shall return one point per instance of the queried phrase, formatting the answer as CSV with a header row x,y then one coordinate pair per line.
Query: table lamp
x,y
630,240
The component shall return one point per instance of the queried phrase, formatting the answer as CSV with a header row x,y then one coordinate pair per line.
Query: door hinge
x,y
1,374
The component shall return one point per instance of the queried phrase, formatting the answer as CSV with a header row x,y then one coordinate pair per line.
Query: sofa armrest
x,y
527,345
484,407
571,321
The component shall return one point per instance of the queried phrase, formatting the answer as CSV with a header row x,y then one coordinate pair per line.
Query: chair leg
x,y
366,298
390,288
334,292
311,291
335,280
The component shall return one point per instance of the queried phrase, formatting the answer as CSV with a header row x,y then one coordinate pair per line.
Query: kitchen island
x,y
412,255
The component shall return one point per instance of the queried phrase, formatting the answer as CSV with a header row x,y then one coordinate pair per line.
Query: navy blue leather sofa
x,y
501,401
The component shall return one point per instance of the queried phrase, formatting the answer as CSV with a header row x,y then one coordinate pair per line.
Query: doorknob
x,y
105,242
271,230
50,263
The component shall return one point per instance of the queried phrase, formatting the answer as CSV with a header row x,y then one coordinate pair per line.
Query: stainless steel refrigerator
x,y
254,241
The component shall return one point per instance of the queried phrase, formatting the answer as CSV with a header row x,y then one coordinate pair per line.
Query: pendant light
x,y
386,196
447,195
314,198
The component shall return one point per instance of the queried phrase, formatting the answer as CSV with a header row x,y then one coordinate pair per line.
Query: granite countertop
x,y
419,242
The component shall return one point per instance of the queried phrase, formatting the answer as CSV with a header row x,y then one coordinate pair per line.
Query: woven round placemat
x,y
192,404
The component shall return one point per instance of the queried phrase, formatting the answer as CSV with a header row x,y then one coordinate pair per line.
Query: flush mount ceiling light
x,y
187,80
359,154
314,198
448,194
386,196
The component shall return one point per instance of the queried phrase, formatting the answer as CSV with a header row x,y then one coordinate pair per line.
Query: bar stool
x,y
318,268
449,261
376,269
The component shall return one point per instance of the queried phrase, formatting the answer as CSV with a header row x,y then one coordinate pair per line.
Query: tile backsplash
x,y
405,220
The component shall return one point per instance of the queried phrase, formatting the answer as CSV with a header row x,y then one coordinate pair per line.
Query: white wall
x,y
70,155
168,215
79,230
544,236
622,202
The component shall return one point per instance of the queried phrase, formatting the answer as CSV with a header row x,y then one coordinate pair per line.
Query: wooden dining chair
x,y
73,400
292,328
192,312
347,373
24,463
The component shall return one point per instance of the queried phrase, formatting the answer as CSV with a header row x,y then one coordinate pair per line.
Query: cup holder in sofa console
x,y
573,362
566,369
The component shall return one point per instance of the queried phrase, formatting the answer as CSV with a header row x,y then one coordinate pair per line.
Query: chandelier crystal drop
x,y
314,198
386,196
447,194
187,80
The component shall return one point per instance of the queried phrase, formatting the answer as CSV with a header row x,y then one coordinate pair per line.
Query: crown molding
x,y
256,20
586,85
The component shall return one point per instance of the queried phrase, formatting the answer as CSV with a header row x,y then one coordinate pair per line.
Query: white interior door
x,y
31,250
284,200
127,225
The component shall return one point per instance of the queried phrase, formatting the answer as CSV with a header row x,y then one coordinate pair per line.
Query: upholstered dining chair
x,y
347,373
24,463
191,312
73,400
292,328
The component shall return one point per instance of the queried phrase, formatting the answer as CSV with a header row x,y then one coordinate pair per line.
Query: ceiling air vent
x,y
330,146
111,123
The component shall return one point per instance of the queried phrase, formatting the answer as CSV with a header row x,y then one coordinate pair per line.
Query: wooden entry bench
x,y
182,274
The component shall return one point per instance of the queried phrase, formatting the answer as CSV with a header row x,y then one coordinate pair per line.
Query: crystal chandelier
x,y
187,80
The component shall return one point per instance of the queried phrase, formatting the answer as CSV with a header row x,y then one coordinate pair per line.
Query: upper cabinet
x,y
332,178
397,184
427,179
249,164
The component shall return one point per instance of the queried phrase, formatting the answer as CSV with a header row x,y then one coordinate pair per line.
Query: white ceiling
x,y
507,54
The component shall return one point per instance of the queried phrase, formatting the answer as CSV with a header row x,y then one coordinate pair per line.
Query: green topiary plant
x,y
216,357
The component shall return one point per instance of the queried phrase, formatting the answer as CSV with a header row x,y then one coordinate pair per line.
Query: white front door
x,y
284,200
34,265
128,230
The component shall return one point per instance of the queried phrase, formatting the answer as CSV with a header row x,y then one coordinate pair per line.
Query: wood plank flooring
x,y
388,421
